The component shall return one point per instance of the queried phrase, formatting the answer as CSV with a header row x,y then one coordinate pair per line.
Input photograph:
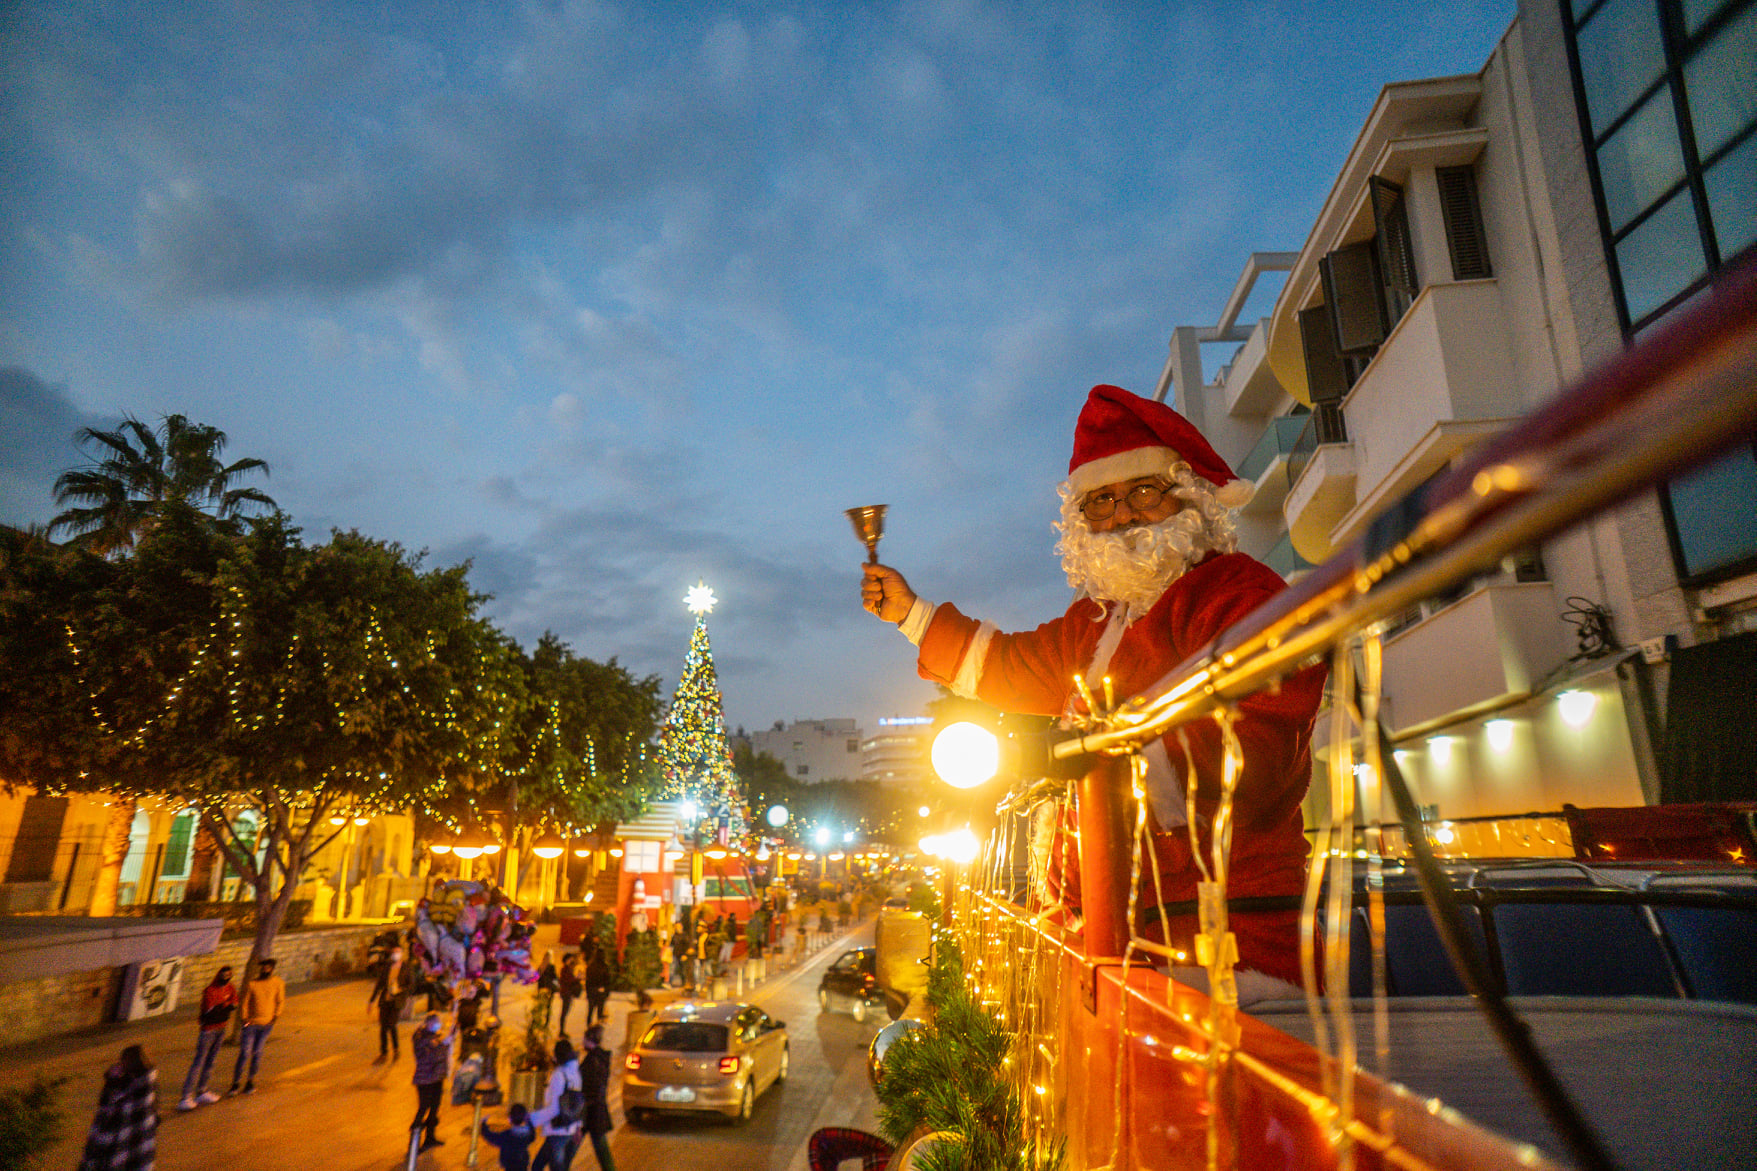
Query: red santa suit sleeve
x,y
1033,671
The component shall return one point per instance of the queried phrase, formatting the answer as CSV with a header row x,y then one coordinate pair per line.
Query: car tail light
x,y
729,1066
633,1062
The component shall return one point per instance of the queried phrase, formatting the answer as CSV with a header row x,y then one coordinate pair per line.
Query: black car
x,y
852,981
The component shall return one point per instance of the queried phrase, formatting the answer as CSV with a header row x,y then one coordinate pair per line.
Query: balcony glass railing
x,y
1323,425
1284,559
1278,440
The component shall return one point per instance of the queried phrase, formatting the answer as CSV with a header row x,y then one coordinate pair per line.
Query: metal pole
x,y
1104,858
414,1148
475,1131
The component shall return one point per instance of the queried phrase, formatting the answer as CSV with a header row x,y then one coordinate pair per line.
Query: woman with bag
x,y
564,1103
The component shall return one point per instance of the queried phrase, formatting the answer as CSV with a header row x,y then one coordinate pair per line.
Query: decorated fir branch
x,y
947,1078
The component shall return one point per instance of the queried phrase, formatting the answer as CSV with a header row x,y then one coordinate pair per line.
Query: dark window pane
x,y
1715,510
1641,161
1620,56
1661,257
1732,198
1721,83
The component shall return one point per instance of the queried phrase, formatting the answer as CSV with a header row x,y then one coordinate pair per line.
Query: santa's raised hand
x,y
884,592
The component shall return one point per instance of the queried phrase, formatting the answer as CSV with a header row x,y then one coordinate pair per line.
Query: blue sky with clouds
x,y
612,297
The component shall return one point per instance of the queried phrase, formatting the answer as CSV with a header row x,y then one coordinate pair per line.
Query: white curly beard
x,y
1135,565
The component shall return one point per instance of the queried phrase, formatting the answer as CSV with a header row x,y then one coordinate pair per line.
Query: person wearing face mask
x,y
432,1047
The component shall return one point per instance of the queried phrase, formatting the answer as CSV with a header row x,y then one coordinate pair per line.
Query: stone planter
x,y
526,1087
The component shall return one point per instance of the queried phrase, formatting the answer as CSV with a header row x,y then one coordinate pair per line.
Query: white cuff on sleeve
x,y
915,623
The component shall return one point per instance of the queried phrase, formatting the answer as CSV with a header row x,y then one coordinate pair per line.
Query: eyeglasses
x,y
1140,498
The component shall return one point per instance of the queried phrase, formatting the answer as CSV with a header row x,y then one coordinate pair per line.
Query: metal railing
x,y
1323,426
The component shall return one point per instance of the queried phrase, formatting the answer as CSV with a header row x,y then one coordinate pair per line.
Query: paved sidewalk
x,y
320,1101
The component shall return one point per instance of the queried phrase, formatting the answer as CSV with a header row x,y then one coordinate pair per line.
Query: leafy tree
x,y
137,470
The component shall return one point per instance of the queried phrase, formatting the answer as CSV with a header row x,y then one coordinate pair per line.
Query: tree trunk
x,y
205,863
117,832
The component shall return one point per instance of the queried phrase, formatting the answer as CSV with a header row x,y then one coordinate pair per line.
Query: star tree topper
x,y
700,599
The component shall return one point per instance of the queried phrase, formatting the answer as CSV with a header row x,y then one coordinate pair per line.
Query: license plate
x,y
675,1094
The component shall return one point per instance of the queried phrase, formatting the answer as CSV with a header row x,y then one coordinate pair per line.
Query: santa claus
x,y
1148,543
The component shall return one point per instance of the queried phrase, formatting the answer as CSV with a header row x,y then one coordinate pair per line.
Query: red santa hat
x,y
1122,436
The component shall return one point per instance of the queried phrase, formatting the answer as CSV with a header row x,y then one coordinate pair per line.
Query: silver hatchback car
x,y
704,1057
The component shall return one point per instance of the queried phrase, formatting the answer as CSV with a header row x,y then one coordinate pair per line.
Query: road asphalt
x,y
320,1100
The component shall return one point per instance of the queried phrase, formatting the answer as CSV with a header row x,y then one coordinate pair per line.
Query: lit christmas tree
x,y
693,753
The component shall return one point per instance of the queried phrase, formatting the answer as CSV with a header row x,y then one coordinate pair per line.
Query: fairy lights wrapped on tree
x,y
694,757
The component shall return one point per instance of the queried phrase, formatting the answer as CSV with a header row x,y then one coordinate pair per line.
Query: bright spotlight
x,y
965,754
1500,734
1576,706
689,811
961,846
821,837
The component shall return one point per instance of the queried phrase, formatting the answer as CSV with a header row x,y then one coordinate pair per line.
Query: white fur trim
x,y
970,666
1235,493
1124,465
915,623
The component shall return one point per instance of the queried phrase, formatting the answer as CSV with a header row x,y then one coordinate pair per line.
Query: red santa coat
x,y
1033,671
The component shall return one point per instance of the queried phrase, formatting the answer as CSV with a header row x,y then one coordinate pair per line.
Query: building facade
x,y
897,754
813,750
1489,239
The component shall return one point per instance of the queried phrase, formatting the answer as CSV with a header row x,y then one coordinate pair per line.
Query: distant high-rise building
x,y
898,752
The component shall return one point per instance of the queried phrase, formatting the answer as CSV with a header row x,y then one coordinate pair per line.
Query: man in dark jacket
x,y
595,1082
432,1047
597,987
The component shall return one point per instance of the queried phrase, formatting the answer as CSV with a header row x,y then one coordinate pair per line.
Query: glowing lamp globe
x,y
777,816
960,846
965,755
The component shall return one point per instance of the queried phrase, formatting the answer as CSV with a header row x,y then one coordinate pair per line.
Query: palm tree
x,y
136,472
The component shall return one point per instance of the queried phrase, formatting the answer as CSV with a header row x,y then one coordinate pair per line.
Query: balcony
x,y
1492,645
1320,478
1266,465
1444,379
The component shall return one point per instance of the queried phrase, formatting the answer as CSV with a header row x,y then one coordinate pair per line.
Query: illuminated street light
x,y
961,846
777,815
821,837
965,755
549,845
439,848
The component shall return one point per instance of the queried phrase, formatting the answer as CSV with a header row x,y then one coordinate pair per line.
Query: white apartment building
x,y
813,750
1489,239
898,753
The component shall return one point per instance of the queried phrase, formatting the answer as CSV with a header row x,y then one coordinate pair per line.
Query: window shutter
x,y
1352,290
39,836
1396,255
1326,378
1462,213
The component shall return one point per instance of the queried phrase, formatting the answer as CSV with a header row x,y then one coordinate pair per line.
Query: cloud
x,y
37,423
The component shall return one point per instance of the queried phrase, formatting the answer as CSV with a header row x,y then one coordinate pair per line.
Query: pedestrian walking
x,y
218,1000
595,1084
264,997
124,1134
390,992
597,987
432,1048
679,955
569,985
513,1143
564,1102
